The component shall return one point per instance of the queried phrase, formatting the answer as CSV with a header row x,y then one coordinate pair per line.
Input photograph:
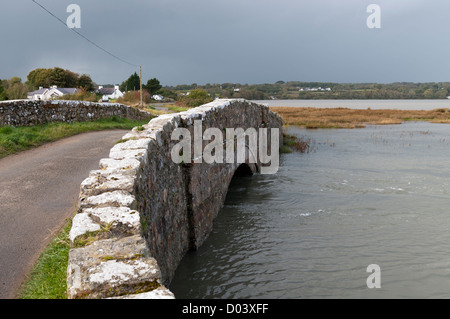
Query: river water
x,y
378,195
363,104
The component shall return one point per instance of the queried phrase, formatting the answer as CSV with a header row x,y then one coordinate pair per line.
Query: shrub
x,y
134,98
82,95
195,98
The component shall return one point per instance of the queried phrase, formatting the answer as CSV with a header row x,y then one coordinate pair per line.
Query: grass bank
x,y
48,279
17,139
350,118
157,110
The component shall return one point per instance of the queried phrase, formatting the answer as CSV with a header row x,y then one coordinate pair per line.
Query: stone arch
x,y
244,170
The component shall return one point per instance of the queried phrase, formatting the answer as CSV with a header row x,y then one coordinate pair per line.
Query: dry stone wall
x,y
140,212
29,113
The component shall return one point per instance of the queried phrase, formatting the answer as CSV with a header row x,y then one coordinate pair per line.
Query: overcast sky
x,y
239,41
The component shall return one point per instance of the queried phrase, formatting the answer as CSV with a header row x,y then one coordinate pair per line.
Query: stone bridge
x,y
156,196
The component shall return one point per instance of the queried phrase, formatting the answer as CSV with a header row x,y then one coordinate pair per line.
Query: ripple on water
x,y
311,230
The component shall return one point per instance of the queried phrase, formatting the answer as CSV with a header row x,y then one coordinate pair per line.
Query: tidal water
x,y
378,195
363,104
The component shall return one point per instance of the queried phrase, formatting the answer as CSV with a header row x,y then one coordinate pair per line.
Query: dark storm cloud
x,y
245,41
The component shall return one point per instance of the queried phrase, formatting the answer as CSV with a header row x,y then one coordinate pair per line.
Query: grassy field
x,y
17,139
350,118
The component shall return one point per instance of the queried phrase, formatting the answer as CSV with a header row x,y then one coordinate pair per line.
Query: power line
x,y
81,35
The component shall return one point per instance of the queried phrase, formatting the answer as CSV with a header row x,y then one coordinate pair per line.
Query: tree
x,y
56,76
85,83
133,83
168,93
39,77
251,94
153,86
60,77
429,94
15,89
2,92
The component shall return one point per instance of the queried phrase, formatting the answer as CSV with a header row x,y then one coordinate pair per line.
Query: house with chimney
x,y
109,93
51,93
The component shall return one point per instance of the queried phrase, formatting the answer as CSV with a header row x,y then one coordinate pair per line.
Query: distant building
x,y
50,93
55,92
157,97
314,89
38,94
109,93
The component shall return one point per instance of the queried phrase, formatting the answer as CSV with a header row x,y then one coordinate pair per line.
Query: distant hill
x,y
322,90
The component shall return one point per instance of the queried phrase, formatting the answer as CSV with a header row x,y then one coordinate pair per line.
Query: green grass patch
x,y
48,279
177,108
17,139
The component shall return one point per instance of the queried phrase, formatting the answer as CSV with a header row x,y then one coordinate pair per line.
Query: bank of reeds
x,y
292,143
311,118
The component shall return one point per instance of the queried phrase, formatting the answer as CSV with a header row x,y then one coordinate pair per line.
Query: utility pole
x,y
140,80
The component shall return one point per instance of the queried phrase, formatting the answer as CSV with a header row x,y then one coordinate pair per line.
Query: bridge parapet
x,y
157,195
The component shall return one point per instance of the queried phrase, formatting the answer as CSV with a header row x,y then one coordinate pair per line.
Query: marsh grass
x,y
292,143
17,139
312,118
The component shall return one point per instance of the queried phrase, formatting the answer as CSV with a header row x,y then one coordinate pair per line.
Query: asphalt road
x,y
39,191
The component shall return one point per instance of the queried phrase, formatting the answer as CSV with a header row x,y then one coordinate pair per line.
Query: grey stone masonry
x,y
140,212
29,113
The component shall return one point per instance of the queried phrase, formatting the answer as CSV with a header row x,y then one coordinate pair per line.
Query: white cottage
x,y
48,94
157,97
56,92
109,93
38,94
